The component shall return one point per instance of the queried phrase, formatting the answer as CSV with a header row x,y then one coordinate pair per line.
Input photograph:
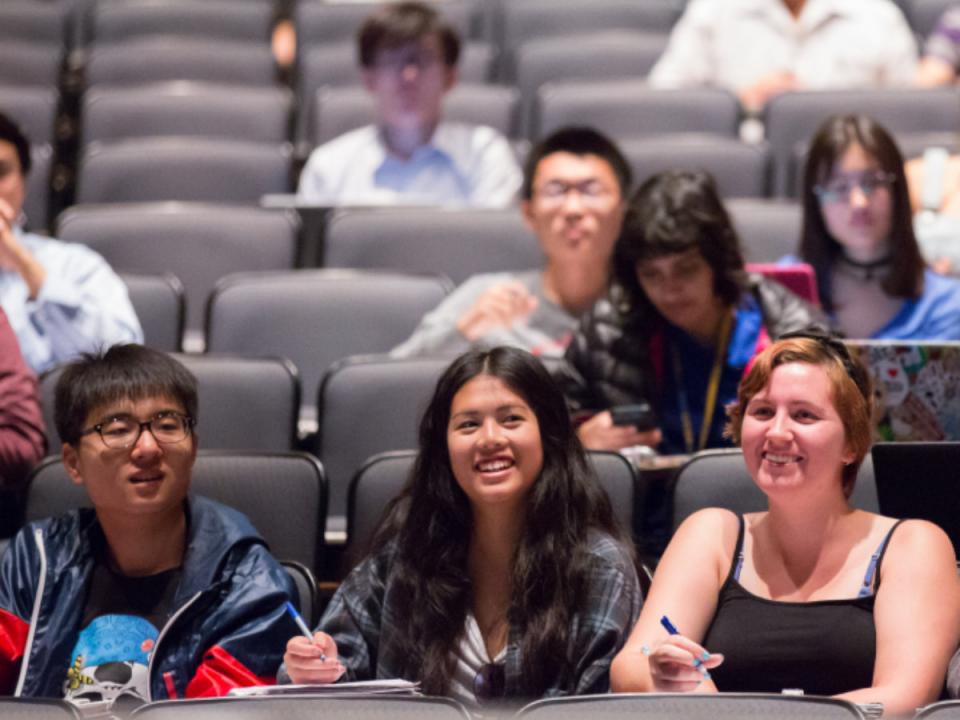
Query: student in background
x,y
150,593
499,572
810,593
410,155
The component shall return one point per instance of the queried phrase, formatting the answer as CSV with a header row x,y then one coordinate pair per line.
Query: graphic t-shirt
x,y
121,622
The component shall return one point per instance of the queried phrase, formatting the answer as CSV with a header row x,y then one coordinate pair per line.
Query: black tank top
x,y
823,647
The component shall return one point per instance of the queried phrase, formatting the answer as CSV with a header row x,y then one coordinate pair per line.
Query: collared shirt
x,y
462,165
82,306
544,332
362,619
833,44
944,41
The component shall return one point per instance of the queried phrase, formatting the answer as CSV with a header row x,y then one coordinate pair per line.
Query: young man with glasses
x,y
408,57
149,594
575,185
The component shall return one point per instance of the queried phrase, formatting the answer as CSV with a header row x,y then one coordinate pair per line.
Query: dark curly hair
x,y
431,522
673,212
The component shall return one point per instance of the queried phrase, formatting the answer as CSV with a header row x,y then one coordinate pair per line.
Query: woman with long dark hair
x,y
858,235
499,571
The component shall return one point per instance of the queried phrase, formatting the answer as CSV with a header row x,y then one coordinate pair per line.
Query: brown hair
x,y
849,379
817,246
394,25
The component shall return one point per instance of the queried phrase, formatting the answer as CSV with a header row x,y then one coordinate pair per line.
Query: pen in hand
x,y
298,619
697,662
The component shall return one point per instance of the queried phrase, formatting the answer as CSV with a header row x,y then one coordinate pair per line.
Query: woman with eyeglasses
x,y
680,325
858,235
810,594
499,571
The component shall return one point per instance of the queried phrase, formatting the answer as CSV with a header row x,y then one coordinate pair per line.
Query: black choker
x,y
865,270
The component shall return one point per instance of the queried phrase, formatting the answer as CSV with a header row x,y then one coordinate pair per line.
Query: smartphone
x,y
640,415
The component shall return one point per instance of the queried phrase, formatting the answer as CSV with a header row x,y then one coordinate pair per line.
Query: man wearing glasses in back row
x,y
408,56
575,186
150,594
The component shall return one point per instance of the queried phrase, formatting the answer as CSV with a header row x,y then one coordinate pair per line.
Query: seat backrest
x,y
740,169
245,403
791,119
315,317
36,204
211,19
26,63
719,478
943,710
32,108
691,706
602,56
161,307
22,708
306,707
198,243
768,229
340,109
186,169
256,114
283,494
307,592
369,405
924,15
629,108
33,22
382,477
153,59
455,242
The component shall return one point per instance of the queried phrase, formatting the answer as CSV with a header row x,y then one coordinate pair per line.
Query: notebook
x,y
916,388
919,480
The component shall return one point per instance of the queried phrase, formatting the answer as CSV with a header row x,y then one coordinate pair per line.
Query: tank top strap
x,y
876,561
737,565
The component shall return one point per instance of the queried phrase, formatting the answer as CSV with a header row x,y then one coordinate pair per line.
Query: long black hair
x,y
432,523
817,246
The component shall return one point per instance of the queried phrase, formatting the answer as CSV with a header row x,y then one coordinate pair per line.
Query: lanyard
x,y
713,387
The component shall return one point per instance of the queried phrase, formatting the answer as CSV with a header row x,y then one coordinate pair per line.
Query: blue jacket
x,y
229,627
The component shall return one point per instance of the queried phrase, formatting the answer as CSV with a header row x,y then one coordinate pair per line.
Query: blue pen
x,y
697,662
298,619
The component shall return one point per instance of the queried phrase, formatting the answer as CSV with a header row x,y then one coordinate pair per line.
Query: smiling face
x,y
408,84
493,438
856,203
792,435
144,479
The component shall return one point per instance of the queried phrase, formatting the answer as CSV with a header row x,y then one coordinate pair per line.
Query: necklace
x,y
864,270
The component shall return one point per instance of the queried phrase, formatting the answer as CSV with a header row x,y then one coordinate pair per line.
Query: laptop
x,y
916,388
920,480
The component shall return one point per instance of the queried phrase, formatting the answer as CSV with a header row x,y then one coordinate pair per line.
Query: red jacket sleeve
x,y
13,640
219,672
22,439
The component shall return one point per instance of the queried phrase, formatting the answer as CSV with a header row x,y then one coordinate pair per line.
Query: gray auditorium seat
x,y
629,108
186,169
24,708
457,243
38,187
25,63
604,56
791,119
161,308
318,21
740,169
41,23
184,108
337,110
33,109
315,317
198,243
283,494
164,59
768,229
211,20
924,15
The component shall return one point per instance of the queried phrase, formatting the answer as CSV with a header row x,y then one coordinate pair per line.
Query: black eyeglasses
x,y
123,431
490,682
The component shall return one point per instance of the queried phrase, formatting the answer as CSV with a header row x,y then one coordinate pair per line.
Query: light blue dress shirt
x,y
82,306
463,165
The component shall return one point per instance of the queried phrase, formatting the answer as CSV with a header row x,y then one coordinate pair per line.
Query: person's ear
x,y
451,77
526,208
71,461
369,78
